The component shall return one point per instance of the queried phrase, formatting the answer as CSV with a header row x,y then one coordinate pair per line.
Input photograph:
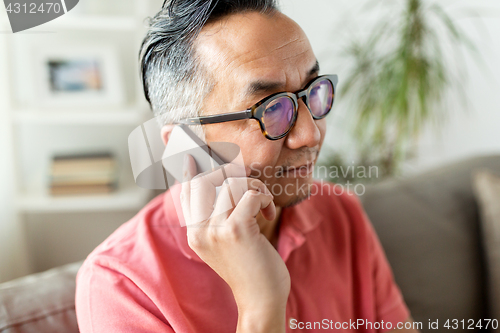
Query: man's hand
x,y
231,243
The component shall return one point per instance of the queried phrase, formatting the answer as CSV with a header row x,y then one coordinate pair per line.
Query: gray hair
x,y
174,81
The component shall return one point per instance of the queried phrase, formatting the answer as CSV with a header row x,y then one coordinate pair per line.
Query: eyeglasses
x,y
277,113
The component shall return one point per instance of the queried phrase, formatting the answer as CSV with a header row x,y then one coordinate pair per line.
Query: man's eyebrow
x,y
261,87
314,70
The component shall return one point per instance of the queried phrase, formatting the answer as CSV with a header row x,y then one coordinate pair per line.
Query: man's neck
x,y
270,229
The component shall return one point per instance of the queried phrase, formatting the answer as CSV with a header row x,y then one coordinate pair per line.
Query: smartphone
x,y
184,141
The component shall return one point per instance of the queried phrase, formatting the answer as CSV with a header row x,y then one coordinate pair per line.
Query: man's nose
x,y
305,133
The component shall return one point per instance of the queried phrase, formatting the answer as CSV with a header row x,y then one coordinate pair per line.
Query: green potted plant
x,y
397,82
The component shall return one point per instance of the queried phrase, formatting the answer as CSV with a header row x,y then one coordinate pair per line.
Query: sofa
x,y
428,224
431,229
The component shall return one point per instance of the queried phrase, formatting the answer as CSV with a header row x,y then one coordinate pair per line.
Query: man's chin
x,y
297,200
292,192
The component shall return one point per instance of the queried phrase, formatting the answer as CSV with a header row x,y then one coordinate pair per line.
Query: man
x,y
279,260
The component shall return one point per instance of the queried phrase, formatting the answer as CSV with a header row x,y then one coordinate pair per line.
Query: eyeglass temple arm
x,y
217,118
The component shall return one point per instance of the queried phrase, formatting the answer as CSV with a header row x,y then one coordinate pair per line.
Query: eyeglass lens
x,y
321,98
278,116
279,113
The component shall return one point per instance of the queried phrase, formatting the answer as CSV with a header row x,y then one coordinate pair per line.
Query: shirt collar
x,y
296,222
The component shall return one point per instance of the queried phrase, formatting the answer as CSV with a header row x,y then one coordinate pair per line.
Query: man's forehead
x,y
254,44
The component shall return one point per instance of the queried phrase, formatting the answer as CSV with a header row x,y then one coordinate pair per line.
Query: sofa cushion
x,y
429,227
43,302
487,190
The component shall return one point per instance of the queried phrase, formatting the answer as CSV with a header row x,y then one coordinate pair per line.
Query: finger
x,y
236,169
269,212
189,169
223,205
251,204
203,190
228,170
233,190
238,187
202,197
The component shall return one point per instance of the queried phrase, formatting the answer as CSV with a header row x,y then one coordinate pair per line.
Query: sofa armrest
x,y
43,302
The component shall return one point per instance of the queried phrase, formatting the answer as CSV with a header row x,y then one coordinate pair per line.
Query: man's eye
x,y
275,107
315,90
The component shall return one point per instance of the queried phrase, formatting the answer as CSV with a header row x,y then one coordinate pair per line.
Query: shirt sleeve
x,y
107,301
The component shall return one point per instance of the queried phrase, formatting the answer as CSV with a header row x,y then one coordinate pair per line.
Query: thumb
x,y
189,168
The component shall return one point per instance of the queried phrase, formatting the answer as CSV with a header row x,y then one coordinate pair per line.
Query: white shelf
x,y
99,23
128,198
123,32
130,116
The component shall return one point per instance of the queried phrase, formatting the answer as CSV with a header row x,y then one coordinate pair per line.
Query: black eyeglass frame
x,y
256,111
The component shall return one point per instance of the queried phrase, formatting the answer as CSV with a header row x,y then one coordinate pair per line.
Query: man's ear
x,y
166,130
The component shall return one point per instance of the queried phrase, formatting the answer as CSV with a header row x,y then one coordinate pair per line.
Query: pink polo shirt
x,y
145,277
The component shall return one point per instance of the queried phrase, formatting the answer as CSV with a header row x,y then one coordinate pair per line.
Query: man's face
x,y
251,56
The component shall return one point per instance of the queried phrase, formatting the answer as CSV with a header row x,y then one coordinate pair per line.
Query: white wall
x,y
13,259
476,130
35,241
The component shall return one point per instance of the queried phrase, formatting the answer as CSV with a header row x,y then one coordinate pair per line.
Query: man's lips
x,y
299,171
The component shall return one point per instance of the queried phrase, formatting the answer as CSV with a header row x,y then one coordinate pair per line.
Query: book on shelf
x,y
78,174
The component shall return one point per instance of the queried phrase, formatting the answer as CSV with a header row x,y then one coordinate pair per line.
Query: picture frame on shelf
x,y
79,76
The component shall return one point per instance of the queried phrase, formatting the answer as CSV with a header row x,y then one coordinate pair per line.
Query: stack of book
x,y
83,174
